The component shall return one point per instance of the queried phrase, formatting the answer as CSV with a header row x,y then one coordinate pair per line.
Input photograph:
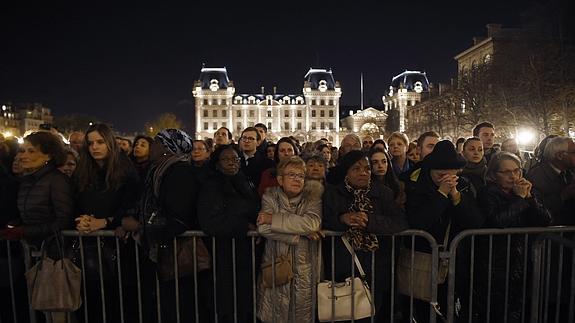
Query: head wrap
x,y
175,141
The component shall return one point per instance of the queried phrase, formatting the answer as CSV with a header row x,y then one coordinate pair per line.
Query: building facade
x,y
369,121
308,116
405,91
17,120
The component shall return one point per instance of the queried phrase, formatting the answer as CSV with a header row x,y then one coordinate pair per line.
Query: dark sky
x,y
126,65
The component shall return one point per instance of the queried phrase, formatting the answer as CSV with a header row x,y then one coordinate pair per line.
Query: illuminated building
x,y
308,116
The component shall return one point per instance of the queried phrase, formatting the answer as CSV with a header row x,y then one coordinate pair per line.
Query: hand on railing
x,y
88,223
317,235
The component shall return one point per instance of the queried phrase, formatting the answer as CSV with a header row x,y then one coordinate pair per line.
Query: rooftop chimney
x,y
275,89
263,90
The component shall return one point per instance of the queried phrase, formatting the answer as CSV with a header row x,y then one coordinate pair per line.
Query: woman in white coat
x,y
290,219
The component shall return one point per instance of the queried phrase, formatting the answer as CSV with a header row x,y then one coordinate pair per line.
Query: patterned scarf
x,y
359,238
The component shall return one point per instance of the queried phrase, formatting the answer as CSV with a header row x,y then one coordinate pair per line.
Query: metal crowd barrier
x,y
535,275
496,263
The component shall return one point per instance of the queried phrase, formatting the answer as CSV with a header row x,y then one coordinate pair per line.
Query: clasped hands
x,y
354,219
88,223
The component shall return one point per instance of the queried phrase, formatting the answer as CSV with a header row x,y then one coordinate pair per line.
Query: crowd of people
x,y
151,190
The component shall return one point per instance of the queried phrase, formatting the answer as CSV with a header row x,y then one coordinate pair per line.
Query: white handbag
x,y
334,300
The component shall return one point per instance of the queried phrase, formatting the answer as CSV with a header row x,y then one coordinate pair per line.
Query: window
x,y
313,127
250,124
252,113
286,125
239,126
205,126
331,113
322,113
312,102
299,113
322,125
215,126
205,101
269,113
225,113
313,113
331,125
224,124
239,114
215,113
322,102
330,102
299,126
286,113
269,126
205,113
224,102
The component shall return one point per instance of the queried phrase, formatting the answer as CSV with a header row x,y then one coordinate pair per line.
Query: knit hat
x,y
348,160
444,156
175,140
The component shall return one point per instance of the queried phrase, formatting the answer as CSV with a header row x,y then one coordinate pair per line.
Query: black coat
x,y
226,205
8,197
429,210
103,202
549,184
387,218
504,210
45,203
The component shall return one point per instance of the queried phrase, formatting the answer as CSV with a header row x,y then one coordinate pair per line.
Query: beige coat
x,y
292,220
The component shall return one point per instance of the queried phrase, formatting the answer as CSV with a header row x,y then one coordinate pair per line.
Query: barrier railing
x,y
121,288
486,289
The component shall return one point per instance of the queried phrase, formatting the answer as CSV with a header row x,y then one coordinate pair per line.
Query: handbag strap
x,y
355,259
446,237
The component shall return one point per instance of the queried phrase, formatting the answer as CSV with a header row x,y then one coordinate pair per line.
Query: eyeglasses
x,y
248,138
231,160
514,172
295,176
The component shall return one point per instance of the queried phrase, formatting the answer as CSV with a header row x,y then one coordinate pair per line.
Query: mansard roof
x,y
316,75
409,80
219,74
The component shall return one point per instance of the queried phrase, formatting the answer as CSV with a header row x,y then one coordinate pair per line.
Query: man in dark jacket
x,y
442,201
254,162
553,179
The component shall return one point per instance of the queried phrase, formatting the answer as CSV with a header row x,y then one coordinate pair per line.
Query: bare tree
x,y
164,121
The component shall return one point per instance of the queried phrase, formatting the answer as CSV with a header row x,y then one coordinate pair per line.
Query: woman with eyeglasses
x,y
227,210
507,201
290,219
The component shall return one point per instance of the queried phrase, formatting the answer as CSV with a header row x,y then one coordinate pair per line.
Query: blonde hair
x,y
292,161
399,135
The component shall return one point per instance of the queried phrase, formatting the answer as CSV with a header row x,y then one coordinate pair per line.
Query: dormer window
x,y
418,87
214,85
322,86
391,91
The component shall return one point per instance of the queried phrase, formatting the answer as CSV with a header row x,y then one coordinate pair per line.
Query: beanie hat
x,y
444,156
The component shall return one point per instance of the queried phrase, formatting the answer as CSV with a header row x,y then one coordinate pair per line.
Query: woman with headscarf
x,y
290,217
227,209
363,209
168,209
442,203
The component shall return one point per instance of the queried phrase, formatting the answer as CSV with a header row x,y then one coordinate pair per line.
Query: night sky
x,y
127,65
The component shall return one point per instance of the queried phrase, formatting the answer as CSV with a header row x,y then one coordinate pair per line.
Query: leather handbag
x,y
185,256
334,300
54,285
413,275
283,272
